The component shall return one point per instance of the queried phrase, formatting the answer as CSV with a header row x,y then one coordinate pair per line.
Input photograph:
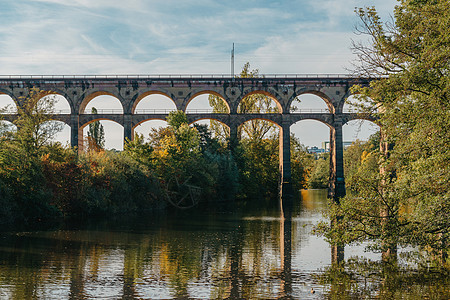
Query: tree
x,y
138,149
406,199
22,181
185,175
36,127
255,103
302,164
96,135
256,130
320,173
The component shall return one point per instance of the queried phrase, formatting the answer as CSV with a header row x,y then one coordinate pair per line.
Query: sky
x,y
153,37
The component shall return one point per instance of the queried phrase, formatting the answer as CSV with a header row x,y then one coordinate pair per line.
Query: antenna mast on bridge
x,y
232,62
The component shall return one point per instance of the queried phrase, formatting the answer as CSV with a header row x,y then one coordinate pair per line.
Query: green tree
x,y
405,200
96,135
256,103
139,149
22,181
359,153
302,164
221,131
186,176
35,124
176,119
320,173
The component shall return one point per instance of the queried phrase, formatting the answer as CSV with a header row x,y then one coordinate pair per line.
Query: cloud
x,y
303,53
137,36
133,5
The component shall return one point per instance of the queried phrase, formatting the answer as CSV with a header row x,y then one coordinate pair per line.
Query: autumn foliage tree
x,y
404,199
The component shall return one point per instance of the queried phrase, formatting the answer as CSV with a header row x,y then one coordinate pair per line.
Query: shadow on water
x,y
252,251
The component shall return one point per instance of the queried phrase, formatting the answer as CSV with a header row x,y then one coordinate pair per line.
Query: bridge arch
x,y
353,112
301,128
326,119
317,93
108,95
114,133
144,127
279,108
6,125
309,103
348,106
196,118
218,128
196,97
8,103
62,105
248,126
62,135
62,94
63,119
260,118
146,119
359,129
147,100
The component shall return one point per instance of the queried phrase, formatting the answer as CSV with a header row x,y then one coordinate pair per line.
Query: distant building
x,y
316,150
326,145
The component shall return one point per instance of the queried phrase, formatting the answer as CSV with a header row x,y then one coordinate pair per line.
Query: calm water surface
x,y
246,254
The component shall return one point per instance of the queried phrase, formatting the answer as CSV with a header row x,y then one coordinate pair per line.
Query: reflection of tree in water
x,y
243,259
359,278
235,263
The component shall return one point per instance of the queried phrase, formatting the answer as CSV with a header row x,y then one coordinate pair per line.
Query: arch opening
x,y
114,134
103,103
7,105
311,141
354,105
217,129
146,127
207,102
60,105
258,129
361,137
358,129
62,132
259,102
6,126
262,147
309,103
154,103
313,134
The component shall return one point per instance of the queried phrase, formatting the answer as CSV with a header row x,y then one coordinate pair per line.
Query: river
x,y
250,253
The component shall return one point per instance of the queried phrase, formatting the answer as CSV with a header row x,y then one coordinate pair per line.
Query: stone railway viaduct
x,y
129,90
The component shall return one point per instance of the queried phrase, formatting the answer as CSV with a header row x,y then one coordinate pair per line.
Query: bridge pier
x,y
336,188
337,182
286,192
74,128
127,128
233,139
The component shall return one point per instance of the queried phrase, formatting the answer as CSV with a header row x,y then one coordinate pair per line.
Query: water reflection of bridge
x,y
129,90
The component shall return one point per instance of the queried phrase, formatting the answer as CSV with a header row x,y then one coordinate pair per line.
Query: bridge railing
x,y
167,111
172,76
149,111
202,111
309,110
